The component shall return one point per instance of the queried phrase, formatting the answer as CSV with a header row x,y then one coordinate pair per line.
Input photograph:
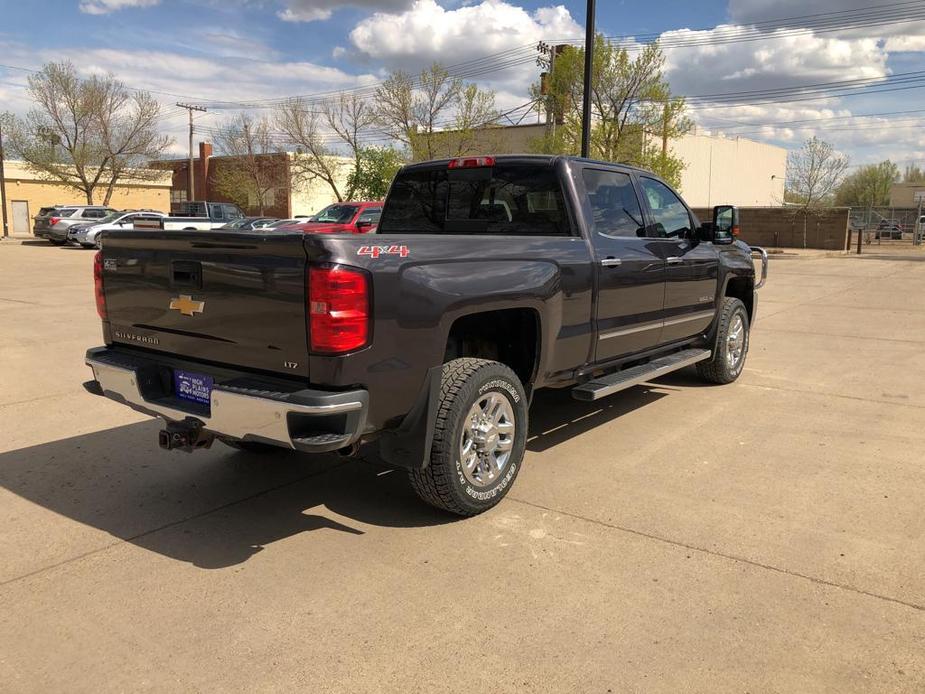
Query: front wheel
x,y
731,346
479,438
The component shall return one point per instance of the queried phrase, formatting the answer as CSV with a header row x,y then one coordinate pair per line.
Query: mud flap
x,y
408,446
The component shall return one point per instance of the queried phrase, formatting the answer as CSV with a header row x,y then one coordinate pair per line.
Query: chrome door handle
x,y
674,260
611,262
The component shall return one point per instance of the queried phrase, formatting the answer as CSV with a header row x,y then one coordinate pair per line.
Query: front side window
x,y
370,215
614,206
670,218
506,199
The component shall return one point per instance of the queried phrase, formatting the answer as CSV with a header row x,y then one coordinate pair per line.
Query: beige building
x,y
720,170
27,192
730,171
907,194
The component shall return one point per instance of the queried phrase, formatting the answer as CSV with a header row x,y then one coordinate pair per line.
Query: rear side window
x,y
65,212
507,199
615,208
94,213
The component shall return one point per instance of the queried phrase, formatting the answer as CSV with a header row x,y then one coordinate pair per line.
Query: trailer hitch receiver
x,y
187,436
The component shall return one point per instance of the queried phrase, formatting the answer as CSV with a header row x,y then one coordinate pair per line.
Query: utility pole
x,y
6,230
547,59
191,186
664,132
589,64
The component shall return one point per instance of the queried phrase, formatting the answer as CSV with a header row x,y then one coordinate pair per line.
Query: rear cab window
x,y
515,199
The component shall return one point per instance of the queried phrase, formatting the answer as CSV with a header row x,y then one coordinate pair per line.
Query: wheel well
x,y
742,288
510,336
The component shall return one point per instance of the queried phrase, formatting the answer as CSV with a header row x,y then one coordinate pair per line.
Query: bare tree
x,y
255,170
813,174
301,125
87,133
419,114
350,117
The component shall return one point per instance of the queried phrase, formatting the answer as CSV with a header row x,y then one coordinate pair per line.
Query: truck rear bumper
x,y
241,406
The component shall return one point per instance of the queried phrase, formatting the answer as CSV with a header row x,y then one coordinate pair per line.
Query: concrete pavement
x,y
764,536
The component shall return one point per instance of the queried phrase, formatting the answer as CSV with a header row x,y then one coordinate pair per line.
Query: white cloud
x,y
107,6
317,10
899,44
779,60
428,32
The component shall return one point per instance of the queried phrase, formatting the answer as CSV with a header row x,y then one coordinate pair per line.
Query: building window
x,y
178,195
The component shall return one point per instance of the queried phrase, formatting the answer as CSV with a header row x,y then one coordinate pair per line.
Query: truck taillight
x,y
98,284
338,309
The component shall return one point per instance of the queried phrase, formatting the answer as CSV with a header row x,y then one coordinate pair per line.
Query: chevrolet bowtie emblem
x,y
185,305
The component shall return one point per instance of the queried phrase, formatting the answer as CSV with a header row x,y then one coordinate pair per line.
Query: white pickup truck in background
x,y
199,216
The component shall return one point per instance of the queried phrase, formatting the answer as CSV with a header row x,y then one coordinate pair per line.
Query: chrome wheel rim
x,y
487,439
735,342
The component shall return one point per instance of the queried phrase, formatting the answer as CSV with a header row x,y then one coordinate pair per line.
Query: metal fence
x,y
890,225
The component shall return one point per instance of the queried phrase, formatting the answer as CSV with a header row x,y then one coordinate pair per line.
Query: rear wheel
x,y
479,438
731,345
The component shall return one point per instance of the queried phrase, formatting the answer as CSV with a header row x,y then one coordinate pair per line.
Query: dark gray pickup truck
x,y
489,277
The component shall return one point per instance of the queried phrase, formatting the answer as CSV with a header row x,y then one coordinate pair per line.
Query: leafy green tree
x,y
634,115
869,186
375,169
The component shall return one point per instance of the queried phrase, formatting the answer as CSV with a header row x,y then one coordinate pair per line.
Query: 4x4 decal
x,y
376,251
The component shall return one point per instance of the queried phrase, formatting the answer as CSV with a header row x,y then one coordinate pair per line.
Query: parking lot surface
x,y
763,536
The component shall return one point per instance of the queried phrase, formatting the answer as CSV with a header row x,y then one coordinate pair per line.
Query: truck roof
x,y
539,159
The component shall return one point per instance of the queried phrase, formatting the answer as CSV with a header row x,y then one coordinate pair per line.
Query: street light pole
x,y
589,63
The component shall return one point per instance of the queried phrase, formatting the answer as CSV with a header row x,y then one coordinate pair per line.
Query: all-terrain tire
x,y
443,482
722,368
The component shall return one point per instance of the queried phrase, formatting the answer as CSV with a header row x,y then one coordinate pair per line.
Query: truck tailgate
x,y
231,298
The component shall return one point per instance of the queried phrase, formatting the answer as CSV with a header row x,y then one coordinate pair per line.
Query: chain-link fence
x,y
889,225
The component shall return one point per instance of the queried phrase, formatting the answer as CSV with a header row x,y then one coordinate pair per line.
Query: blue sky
x,y
213,51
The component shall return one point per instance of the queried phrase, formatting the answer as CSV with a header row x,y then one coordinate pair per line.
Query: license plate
x,y
192,386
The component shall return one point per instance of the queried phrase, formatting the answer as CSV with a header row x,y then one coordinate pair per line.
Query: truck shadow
x,y
220,507
555,416
213,508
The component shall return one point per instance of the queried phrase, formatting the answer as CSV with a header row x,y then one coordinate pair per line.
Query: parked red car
x,y
343,218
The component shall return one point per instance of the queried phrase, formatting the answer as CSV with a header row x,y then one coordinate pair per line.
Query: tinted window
x,y
65,212
232,212
505,199
218,212
614,205
335,214
371,215
669,215
95,213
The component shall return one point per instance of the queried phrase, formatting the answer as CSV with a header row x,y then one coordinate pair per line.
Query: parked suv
x,y
54,224
88,234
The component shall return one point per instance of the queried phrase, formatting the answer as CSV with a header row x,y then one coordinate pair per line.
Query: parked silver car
x,y
54,224
88,235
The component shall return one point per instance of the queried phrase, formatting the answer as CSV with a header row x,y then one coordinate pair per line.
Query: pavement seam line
x,y
844,337
723,555
167,526
835,395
